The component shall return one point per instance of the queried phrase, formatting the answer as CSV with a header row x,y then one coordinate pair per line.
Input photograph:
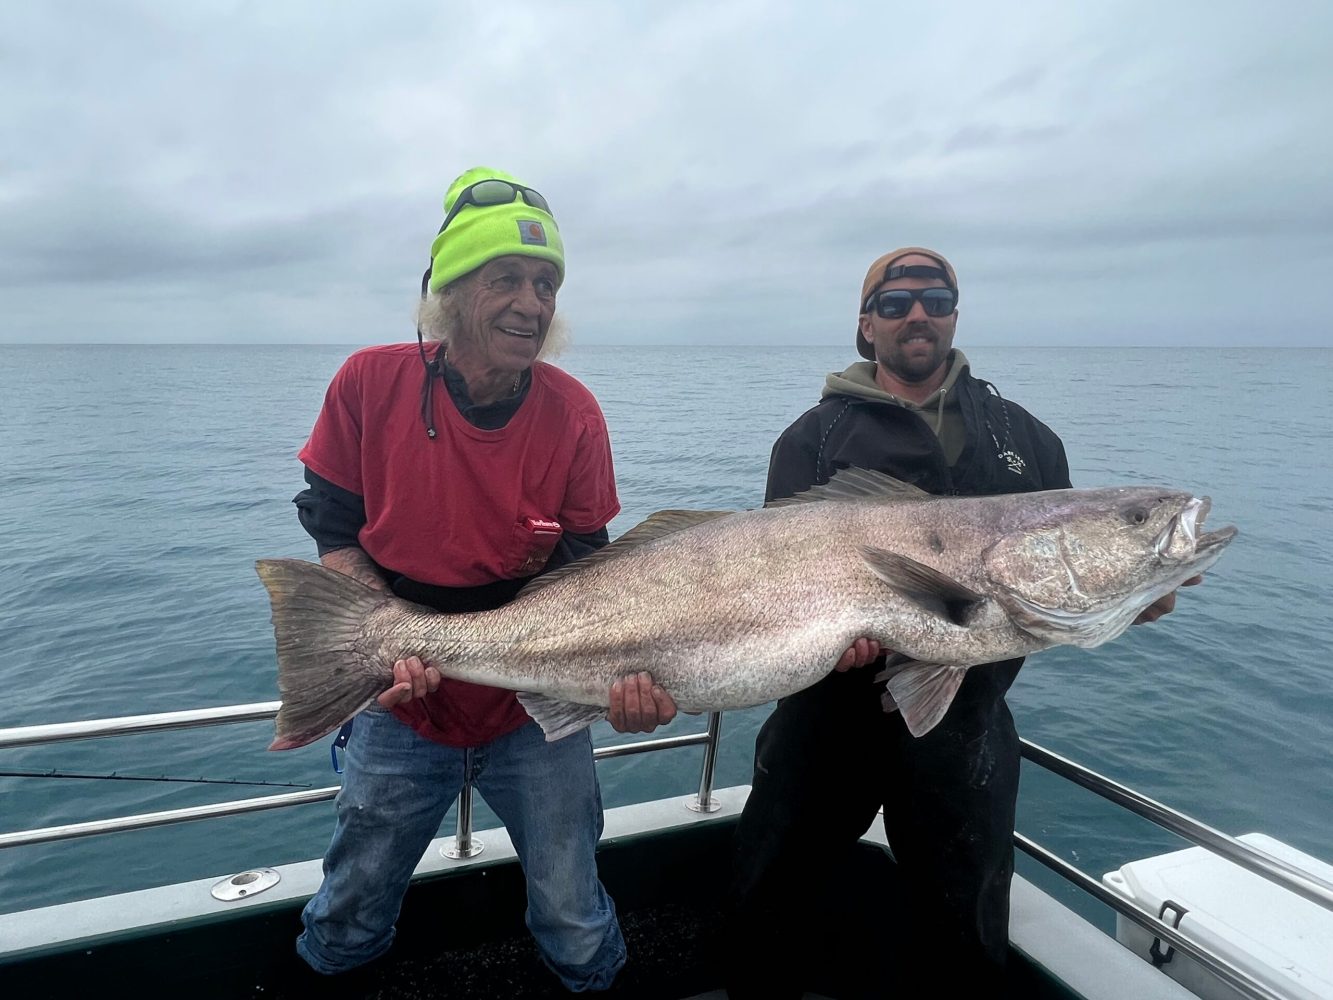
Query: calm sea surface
x,y
138,484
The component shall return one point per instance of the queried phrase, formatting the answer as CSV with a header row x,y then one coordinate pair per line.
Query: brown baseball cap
x,y
883,270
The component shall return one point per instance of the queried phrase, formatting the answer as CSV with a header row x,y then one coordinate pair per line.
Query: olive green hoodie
x,y
940,410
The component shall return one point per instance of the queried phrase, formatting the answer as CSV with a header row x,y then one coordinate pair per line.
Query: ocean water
x,y
139,483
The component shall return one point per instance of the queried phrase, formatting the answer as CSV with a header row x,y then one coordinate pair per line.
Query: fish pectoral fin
x,y
557,718
928,588
923,692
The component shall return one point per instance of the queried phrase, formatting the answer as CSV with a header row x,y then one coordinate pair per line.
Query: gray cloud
x,y
721,173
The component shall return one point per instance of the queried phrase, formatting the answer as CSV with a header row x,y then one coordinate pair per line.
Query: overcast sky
x,y
1099,174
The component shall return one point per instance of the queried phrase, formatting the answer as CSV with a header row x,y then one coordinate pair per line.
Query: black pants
x,y
825,761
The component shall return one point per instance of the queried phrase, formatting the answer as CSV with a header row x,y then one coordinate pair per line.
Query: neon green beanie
x,y
479,233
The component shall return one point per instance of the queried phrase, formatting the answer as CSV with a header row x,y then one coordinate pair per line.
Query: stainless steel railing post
x,y
461,845
704,801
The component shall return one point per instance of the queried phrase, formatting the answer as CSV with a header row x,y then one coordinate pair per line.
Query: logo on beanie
x,y
531,232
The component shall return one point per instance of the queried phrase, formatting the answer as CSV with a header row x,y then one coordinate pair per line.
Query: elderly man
x,y
830,757
451,471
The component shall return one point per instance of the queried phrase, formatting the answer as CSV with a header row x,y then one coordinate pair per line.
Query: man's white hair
x,y
440,318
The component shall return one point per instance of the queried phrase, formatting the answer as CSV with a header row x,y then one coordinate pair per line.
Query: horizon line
x,y
623,344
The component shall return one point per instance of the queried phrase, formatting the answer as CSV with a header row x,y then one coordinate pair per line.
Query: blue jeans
x,y
396,788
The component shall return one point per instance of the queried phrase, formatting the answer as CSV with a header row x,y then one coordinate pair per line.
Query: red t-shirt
x,y
460,510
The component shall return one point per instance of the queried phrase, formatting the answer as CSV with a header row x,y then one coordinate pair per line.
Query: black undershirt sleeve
x,y
331,515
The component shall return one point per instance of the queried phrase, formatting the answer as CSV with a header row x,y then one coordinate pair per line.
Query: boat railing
x,y
463,844
1274,869
1252,859
1238,852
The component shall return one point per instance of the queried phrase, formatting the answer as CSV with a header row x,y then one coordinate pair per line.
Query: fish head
x,y
1086,562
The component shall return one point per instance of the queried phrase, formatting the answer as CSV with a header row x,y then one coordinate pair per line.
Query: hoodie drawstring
x,y
1004,408
428,387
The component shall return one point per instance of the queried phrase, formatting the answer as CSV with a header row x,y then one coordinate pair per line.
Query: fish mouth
x,y
1182,540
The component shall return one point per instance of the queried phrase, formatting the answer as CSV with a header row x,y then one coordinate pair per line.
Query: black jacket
x,y
1007,449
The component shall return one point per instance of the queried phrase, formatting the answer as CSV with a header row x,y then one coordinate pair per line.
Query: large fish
x,y
732,609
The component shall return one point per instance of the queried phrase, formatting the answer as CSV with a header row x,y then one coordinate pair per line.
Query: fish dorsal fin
x,y
857,484
665,522
928,588
654,526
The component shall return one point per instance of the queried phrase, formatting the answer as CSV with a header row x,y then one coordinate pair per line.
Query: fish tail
x,y
323,677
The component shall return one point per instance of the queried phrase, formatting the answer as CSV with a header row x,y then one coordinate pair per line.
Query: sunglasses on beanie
x,y
494,192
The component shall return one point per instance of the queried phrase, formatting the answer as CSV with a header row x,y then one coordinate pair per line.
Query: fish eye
x,y
1137,515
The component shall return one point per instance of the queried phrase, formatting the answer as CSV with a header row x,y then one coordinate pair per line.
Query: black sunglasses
x,y
494,192
895,303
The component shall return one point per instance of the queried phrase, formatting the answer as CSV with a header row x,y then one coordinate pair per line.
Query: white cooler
x,y
1282,940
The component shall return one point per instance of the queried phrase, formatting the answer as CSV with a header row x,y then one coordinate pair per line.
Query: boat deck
x,y
461,933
